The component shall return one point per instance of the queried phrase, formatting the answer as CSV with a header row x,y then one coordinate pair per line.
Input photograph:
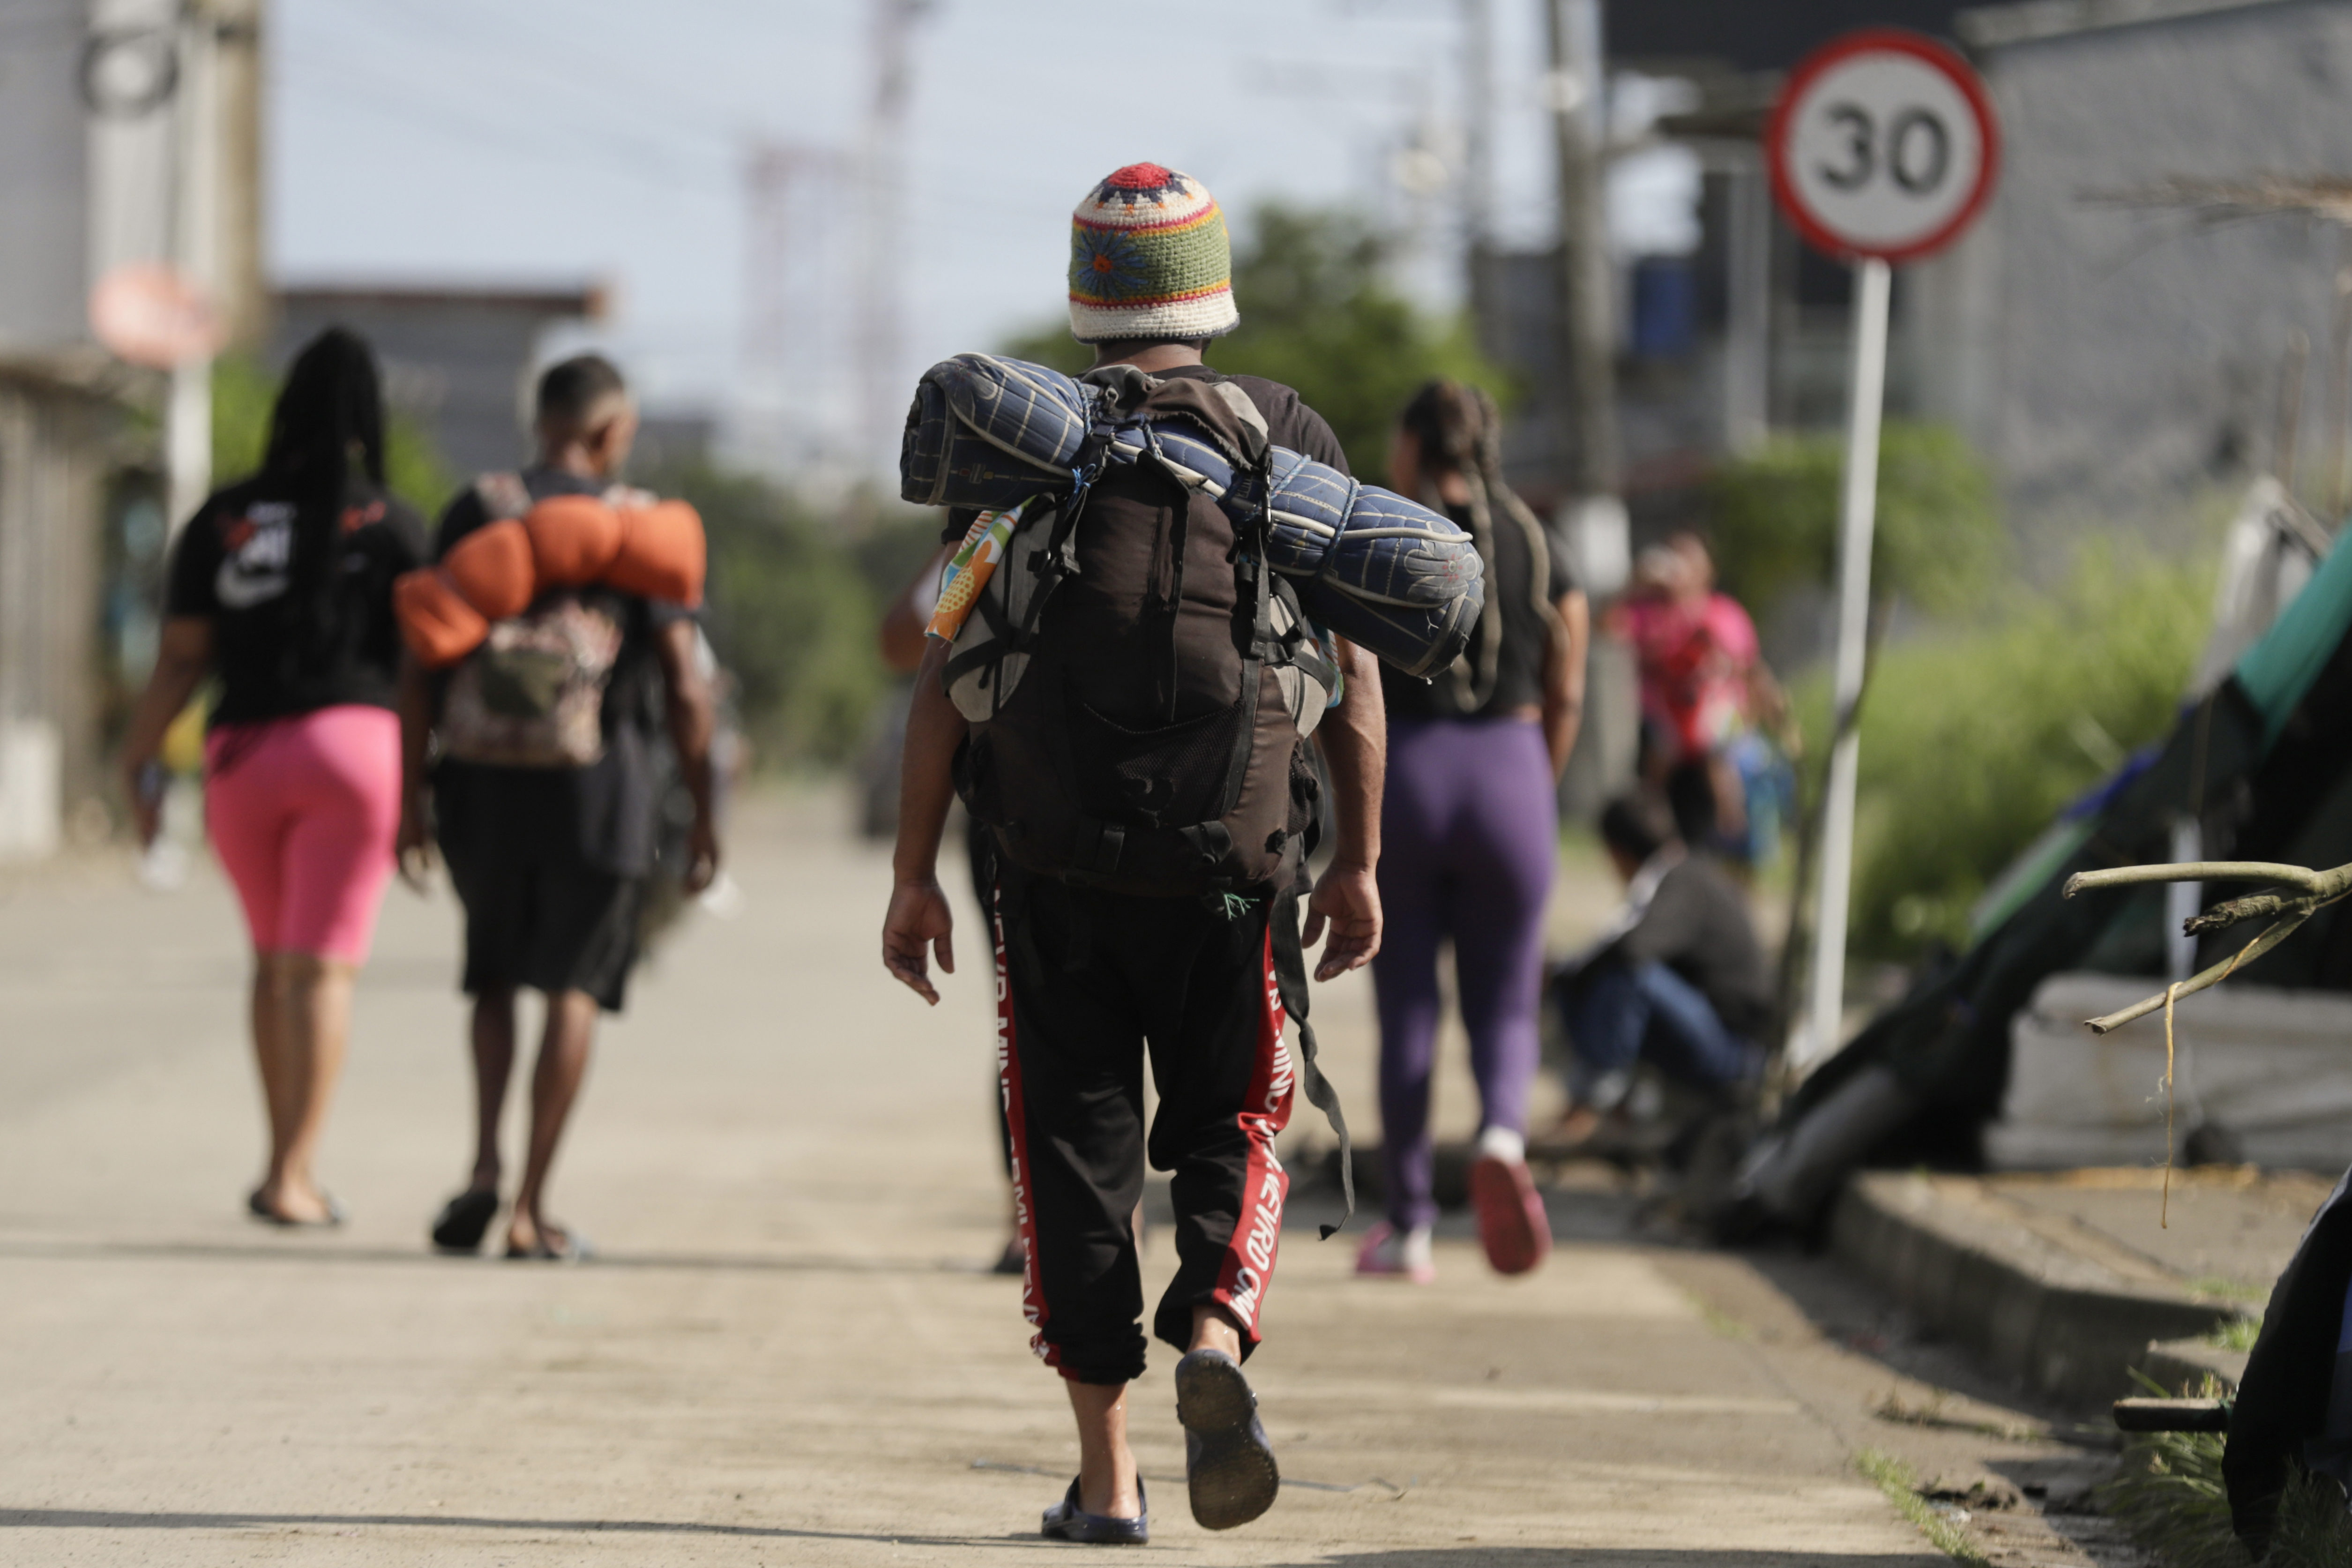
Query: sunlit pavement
x,y
787,1352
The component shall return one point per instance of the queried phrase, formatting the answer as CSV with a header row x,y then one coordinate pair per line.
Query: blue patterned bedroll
x,y
1385,572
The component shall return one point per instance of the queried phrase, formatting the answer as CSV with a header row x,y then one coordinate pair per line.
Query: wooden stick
x,y
2310,882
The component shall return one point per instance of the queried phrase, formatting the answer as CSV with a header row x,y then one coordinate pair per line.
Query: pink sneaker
x,y
1512,1225
1386,1254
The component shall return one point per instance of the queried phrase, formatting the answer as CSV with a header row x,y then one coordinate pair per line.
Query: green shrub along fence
x,y
1973,740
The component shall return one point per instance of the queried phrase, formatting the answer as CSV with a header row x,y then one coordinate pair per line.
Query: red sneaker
x,y
1512,1225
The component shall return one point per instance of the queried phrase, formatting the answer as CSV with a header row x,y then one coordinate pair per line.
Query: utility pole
x,y
240,291
1594,511
881,280
196,249
1477,142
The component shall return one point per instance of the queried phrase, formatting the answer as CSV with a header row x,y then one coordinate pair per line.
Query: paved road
x,y
787,1354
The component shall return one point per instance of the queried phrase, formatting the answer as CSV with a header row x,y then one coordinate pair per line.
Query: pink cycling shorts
x,y
303,812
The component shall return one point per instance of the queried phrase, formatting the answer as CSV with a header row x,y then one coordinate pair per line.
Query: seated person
x,y
1678,978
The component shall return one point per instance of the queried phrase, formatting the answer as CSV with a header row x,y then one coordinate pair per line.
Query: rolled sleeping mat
x,y
497,571
663,553
1383,572
436,622
1387,574
494,570
990,433
574,540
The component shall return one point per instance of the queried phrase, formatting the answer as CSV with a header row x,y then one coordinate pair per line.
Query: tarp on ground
x,y
2264,760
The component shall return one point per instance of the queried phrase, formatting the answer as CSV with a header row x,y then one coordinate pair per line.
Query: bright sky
x,y
513,140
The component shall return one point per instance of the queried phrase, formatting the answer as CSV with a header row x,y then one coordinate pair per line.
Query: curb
x,y
2044,1300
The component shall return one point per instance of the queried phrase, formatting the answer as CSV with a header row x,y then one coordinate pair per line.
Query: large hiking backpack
x,y
1137,680
532,694
1383,571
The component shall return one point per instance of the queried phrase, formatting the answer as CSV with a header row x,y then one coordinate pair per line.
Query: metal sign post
x,y
1883,147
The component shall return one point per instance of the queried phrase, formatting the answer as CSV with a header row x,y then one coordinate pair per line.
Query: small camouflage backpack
x,y
533,696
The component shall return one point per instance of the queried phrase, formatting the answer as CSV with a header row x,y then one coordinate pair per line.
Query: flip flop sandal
x,y
1066,1520
1229,1465
464,1220
576,1249
1512,1225
258,1209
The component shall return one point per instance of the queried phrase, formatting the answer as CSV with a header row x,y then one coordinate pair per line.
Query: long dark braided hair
x,y
1459,430
329,416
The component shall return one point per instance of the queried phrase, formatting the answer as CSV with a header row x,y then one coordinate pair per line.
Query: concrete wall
x,y
43,154
53,461
2108,358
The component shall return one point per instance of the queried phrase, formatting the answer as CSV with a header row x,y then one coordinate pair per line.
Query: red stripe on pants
x,y
1024,1212
1265,1110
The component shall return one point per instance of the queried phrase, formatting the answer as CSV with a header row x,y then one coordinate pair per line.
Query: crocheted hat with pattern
x,y
1150,258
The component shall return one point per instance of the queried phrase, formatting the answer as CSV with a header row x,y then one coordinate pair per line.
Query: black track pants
x,y
1086,982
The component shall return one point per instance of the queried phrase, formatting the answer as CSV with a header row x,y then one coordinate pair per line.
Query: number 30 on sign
x,y
1883,145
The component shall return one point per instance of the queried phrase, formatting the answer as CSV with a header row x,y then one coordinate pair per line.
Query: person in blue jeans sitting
x,y
1678,978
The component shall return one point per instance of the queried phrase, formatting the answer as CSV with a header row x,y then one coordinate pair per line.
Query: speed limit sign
x,y
1881,149
1882,144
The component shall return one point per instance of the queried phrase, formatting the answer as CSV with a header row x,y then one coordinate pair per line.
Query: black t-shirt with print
x,y
229,567
602,814
1288,422
1518,667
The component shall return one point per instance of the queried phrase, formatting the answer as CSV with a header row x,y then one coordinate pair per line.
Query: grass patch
x,y
2236,1334
1901,1485
2169,1494
2229,1290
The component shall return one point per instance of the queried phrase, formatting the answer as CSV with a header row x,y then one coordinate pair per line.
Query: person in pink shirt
x,y
1703,684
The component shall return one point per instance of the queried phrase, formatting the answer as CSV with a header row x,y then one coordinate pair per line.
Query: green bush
x,y
789,614
1972,741
1319,316
1938,544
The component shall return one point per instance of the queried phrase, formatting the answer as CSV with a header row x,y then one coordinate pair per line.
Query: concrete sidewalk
x,y
787,1352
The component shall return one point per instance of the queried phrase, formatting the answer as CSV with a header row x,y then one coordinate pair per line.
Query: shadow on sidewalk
x,y
95,1519
308,1249
1471,1555
1462,1556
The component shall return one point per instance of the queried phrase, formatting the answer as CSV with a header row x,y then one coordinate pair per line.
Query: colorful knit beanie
x,y
1148,258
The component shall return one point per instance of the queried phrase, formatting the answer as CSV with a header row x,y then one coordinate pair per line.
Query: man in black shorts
x,y
551,861
1088,978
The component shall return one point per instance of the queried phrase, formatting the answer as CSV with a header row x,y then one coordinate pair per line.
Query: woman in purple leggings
x,y
1469,834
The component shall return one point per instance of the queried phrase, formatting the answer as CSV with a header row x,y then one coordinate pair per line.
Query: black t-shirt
x,y
229,567
1288,421
1518,663
602,814
1698,925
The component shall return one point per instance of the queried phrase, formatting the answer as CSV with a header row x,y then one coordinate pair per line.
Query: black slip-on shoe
x,y
1066,1520
1229,1465
465,1219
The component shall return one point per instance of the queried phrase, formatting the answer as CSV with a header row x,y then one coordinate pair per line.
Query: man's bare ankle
x,y
1213,1329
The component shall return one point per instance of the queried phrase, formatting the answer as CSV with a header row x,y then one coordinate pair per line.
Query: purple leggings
x,y
1469,831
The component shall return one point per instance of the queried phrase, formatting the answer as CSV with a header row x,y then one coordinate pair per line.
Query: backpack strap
x,y
1290,978
502,494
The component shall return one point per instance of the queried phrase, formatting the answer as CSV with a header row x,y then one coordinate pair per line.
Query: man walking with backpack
x,y
543,796
1139,763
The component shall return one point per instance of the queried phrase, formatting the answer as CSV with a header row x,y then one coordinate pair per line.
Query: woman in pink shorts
x,y
281,588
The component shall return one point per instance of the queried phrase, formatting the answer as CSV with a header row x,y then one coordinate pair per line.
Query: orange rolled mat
x,y
663,554
493,568
573,539
436,622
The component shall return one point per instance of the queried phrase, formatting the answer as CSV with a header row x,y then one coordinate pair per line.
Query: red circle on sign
x,y
1778,137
